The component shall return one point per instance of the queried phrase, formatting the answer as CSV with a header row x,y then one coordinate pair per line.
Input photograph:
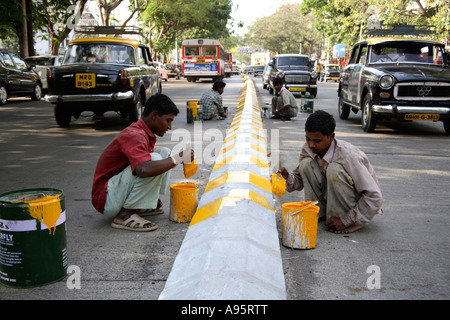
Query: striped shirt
x,y
210,101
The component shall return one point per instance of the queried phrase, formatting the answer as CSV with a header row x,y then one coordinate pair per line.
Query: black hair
x,y
277,81
218,84
320,121
161,103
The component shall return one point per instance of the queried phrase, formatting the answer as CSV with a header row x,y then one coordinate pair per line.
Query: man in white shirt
x,y
336,174
284,106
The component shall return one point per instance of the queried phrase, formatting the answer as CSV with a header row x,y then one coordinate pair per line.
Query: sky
x,y
249,10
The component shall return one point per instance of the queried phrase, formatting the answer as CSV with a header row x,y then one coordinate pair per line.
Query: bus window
x,y
191,51
209,51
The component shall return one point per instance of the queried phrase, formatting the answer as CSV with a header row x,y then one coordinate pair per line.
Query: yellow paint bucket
x,y
299,231
183,201
194,111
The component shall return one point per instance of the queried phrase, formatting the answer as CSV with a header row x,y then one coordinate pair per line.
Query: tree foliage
x,y
344,20
167,21
58,18
286,31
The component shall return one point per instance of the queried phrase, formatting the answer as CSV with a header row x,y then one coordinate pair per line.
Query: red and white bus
x,y
229,65
203,58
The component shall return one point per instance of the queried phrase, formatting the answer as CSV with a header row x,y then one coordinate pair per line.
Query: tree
x,y
286,31
344,20
167,21
17,23
107,7
58,18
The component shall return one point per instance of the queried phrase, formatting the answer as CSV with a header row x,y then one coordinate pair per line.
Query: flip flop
x,y
150,212
134,221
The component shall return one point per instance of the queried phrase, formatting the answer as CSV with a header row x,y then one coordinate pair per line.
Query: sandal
x,y
134,223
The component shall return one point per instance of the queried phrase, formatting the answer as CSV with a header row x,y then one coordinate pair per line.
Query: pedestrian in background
x,y
213,108
130,174
336,174
284,106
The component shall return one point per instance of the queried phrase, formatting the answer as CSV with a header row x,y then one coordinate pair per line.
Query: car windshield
x,y
332,68
293,61
41,61
259,68
99,53
407,52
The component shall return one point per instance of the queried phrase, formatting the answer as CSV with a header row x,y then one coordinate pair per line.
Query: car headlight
x,y
280,74
386,82
314,74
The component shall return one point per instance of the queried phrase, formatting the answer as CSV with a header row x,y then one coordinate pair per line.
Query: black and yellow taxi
x,y
102,74
173,70
329,71
296,71
396,77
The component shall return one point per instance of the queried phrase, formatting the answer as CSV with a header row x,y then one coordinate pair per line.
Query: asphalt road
x,y
407,245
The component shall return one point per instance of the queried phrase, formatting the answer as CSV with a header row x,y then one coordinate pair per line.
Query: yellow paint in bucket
x,y
183,201
299,231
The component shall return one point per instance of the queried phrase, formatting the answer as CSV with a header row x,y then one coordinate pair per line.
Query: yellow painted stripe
x,y
233,145
213,208
241,158
254,136
240,177
259,130
255,122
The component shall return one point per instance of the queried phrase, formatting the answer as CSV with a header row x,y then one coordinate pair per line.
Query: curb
x,y
231,250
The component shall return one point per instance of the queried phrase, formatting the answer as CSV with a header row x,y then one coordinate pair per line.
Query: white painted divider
x,y
231,249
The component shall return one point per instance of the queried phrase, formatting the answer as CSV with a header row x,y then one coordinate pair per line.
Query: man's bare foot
x,y
350,229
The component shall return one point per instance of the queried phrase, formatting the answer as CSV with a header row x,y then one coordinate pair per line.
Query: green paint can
x,y
33,246
194,111
307,104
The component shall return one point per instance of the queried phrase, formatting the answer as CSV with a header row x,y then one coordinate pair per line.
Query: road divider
x,y
231,249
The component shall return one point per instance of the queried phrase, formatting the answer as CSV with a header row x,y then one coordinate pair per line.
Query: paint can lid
x,y
28,195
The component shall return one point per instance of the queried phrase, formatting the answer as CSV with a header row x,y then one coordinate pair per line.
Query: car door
x,y
350,75
152,71
11,74
355,75
145,71
22,75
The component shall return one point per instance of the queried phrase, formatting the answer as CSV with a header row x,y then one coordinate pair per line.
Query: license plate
x,y
85,80
297,89
425,117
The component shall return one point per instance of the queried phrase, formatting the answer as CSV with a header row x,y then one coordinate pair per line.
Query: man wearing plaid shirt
x,y
212,102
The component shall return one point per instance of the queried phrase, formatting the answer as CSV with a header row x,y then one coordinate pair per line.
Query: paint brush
x,y
305,207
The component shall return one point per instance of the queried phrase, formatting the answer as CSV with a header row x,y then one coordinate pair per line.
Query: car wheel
x,y
62,115
344,109
37,93
3,94
368,119
135,111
